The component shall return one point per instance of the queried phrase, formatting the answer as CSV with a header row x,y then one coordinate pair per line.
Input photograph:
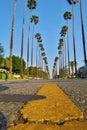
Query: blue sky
x,y
50,13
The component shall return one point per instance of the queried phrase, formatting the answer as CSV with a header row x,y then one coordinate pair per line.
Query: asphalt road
x,y
14,94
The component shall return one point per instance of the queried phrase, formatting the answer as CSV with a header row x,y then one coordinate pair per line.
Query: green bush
x,y
0,75
3,75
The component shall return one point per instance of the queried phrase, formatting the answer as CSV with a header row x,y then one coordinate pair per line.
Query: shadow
x,y
20,98
2,88
3,122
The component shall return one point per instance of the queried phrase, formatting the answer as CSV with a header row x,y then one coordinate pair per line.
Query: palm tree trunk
x,y
72,70
56,69
74,48
68,53
83,35
37,59
22,43
65,53
11,41
32,47
59,65
28,43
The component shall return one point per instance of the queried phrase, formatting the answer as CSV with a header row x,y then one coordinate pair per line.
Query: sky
x,y
50,13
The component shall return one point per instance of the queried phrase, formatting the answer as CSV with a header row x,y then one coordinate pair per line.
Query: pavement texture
x,y
54,110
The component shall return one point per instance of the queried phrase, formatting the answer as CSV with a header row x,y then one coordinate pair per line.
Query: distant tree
x,y
6,63
72,64
1,54
15,64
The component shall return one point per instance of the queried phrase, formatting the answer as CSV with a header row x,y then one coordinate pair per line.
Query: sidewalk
x,y
55,111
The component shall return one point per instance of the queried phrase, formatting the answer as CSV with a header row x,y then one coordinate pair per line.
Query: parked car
x,y
82,71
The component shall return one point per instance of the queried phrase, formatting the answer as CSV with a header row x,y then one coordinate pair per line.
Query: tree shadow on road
x,y
20,98
2,88
3,122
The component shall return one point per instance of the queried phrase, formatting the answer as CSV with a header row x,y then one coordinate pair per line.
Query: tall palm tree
x,y
63,34
22,42
11,40
43,54
67,16
35,20
40,51
72,2
39,41
61,63
83,35
31,4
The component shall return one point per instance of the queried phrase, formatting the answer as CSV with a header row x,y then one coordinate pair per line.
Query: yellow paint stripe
x,y
56,107
76,125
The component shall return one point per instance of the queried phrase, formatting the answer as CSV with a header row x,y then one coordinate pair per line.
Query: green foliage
x,y
31,4
63,73
1,54
36,73
16,64
3,75
6,63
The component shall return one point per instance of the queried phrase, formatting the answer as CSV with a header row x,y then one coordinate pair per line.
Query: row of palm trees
x,y
64,33
31,4
41,55
73,2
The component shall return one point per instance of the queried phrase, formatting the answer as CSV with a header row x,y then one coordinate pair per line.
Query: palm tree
x,y
22,42
54,73
11,40
72,64
63,34
83,35
39,41
35,20
72,2
60,55
56,59
43,54
45,61
67,16
31,4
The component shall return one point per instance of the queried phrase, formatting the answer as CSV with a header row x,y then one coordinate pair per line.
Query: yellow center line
x,y
55,107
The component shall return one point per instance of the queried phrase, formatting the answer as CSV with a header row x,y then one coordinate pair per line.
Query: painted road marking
x,y
56,107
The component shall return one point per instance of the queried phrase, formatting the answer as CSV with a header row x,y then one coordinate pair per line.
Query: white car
x,y
82,71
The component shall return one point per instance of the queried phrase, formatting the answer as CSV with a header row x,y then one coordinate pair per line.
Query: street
x,y
15,94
